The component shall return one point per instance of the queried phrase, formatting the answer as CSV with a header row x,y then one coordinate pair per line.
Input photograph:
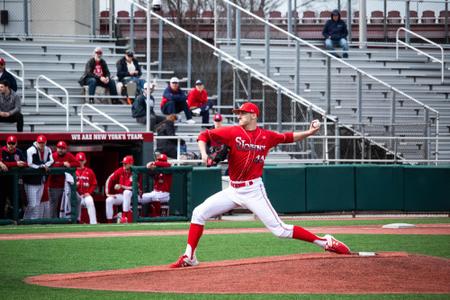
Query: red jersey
x,y
248,149
86,181
122,177
57,181
162,182
197,98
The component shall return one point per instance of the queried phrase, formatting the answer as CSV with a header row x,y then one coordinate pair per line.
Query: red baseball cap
x,y
11,139
217,118
61,144
41,139
247,107
2,61
128,160
162,157
81,156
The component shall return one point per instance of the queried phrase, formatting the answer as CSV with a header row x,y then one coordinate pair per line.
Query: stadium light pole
x,y
148,64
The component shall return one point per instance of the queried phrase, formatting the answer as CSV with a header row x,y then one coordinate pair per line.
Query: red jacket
x,y
86,181
57,181
122,177
197,98
162,182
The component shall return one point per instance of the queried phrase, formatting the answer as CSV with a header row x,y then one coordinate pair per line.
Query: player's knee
x,y
282,232
89,201
127,193
198,216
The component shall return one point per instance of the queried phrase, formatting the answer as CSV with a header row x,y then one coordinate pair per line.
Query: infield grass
x,y
22,258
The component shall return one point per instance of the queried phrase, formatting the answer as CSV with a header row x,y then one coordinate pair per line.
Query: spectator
x,y
11,157
217,121
39,156
129,70
335,33
139,108
167,128
86,184
198,101
62,159
97,74
161,186
10,105
119,191
5,75
174,100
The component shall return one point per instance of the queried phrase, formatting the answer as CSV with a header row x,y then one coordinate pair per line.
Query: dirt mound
x,y
300,274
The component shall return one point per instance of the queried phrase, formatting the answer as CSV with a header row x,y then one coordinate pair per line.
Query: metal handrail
x,y
434,59
290,35
39,92
16,76
83,119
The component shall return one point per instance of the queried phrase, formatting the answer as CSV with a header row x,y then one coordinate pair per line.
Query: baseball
x,y
315,123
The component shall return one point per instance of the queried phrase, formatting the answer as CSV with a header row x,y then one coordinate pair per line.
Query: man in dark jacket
x,y
335,33
174,100
97,73
167,128
139,108
10,106
5,75
129,70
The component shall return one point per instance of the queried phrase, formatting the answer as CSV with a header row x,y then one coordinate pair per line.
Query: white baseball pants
x,y
88,202
153,196
34,210
252,197
124,199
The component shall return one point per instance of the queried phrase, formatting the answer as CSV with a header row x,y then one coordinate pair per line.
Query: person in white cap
x,y
174,100
96,73
139,107
198,101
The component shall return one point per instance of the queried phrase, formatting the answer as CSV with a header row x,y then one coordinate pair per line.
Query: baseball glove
x,y
219,153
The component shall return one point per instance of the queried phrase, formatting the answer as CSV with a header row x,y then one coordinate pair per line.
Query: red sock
x,y
304,235
109,221
129,215
195,233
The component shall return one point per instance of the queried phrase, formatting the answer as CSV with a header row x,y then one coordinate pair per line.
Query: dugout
x,y
104,152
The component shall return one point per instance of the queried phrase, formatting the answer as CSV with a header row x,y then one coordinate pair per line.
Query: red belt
x,y
241,184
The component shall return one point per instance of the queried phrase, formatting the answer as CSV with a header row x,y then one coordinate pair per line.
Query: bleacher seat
x,y
309,17
442,16
259,13
324,16
428,17
295,17
171,14
356,17
208,16
376,17
275,17
123,17
413,19
343,14
104,22
191,14
140,16
393,17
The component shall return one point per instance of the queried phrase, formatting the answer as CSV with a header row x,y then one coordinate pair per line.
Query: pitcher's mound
x,y
302,273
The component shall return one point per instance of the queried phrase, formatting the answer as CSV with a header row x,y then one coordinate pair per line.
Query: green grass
x,y
219,224
22,258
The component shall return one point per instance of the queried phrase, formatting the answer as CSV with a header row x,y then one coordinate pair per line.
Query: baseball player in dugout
x,y
12,157
61,159
119,191
39,156
249,145
161,186
86,184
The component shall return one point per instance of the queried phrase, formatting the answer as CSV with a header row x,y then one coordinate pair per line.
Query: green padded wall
x,y
205,182
330,188
177,195
285,187
427,188
379,187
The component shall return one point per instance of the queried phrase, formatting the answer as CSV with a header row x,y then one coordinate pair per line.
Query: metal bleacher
x,y
412,74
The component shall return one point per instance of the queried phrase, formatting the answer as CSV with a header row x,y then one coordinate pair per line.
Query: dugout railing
x,y
16,175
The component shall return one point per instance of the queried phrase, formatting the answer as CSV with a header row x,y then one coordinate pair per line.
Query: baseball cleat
x,y
333,245
184,261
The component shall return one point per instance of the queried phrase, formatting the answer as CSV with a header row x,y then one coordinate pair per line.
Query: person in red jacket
x,y
249,145
119,191
198,101
61,159
86,184
11,157
161,186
